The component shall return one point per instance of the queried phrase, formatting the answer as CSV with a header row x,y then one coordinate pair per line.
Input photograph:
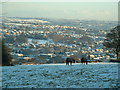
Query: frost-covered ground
x,y
93,75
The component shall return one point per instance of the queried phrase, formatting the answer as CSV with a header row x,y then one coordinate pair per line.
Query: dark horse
x,y
84,60
69,60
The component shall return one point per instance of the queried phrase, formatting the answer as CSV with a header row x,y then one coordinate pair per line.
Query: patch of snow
x,y
93,75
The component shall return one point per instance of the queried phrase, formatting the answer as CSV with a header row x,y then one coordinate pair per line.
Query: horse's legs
x,y
67,63
86,62
70,63
82,62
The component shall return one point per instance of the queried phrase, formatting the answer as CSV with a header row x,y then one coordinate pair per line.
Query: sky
x,y
107,11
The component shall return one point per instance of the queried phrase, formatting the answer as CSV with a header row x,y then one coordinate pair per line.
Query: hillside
x,y
93,75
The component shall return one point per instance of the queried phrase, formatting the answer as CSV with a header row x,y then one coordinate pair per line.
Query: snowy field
x,y
93,75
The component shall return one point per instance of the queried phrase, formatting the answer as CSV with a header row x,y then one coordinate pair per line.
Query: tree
x,y
6,58
113,40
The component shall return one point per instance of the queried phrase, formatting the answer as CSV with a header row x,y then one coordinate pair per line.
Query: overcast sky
x,y
69,10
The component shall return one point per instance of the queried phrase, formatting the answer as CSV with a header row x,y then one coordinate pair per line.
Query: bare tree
x,y
113,40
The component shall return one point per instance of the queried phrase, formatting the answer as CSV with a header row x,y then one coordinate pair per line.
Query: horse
x,y
84,60
69,60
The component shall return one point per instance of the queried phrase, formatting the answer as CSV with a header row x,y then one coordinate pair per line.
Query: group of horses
x,y
70,60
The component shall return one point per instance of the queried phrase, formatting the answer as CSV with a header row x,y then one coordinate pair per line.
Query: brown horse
x,y
84,60
69,60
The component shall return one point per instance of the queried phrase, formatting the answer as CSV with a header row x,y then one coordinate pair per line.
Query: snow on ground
x,y
93,75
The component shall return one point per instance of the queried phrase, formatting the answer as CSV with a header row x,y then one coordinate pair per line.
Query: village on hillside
x,y
44,40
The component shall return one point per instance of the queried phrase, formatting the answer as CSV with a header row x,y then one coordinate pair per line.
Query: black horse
x,y
84,60
70,60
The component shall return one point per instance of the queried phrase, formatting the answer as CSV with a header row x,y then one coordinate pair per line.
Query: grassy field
x,y
93,75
